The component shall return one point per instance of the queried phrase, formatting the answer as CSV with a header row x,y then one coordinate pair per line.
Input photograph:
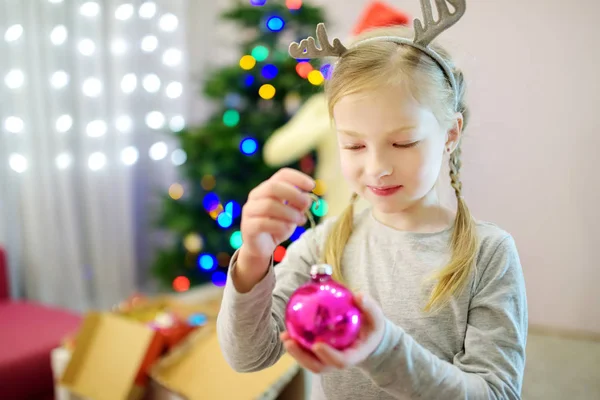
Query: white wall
x,y
532,141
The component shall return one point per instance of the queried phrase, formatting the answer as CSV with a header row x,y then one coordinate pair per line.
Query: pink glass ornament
x,y
323,310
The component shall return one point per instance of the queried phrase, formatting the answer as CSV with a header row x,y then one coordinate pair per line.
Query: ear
x,y
454,134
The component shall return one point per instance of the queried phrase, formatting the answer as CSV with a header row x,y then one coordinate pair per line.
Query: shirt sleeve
x,y
249,324
492,362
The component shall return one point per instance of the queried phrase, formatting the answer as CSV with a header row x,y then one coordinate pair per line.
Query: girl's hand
x,y
273,211
325,358
270,216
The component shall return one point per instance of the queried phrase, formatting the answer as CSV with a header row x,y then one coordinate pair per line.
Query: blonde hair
x,y
380,64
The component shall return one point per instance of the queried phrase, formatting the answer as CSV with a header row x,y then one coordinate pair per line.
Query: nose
x,y
378,165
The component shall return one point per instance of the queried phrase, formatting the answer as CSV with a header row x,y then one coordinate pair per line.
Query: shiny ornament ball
x,y
324,311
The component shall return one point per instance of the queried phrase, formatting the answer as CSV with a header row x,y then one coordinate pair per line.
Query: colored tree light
x,y
249,146
207,262
275,24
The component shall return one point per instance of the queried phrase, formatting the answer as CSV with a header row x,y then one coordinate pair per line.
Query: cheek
x,y
425,163
349,168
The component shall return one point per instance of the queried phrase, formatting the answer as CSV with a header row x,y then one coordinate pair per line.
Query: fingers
x,y
303,357
295,178
271,208
255,225
283,192
330,356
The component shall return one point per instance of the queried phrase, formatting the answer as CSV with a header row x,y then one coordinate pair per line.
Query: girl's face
x,y
391,147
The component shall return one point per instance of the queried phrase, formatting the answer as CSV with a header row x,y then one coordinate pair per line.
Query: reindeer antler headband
x,y
424,35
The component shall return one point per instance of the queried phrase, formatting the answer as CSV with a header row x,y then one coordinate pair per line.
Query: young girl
x,y
399,112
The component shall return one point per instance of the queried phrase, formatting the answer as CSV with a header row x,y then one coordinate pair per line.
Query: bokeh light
x,y
315,77
260,53
236,240
210,202
303,69
231,118
279,254
208,182
207,262
249,146
269,71
275,24
219,278
320,208
176,191
181,284
247,62
267,91
320,187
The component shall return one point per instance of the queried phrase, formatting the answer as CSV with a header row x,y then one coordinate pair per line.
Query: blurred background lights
x,y
89,9
96,128
168,22
86,47
92,87
129,155
58,35
13,33
14,79
59,79
118,46
149,43
172,57
158,151
64,123
249,146
124,12
174,90
178,157
17,162
14,124
128,83
207,262
219,278
235,240
176,191
151,83
177,123
124,124
63,161
96,161
147,10
275,24
155,120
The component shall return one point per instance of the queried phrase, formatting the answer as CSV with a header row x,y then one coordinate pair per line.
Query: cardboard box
x,y
197,370
112,358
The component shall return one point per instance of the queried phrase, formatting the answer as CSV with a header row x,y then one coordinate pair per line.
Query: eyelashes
x,y
396,145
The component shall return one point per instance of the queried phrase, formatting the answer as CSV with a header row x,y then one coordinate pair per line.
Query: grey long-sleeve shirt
x,y
474,348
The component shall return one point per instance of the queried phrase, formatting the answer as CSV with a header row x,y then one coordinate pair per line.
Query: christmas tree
x,y
223,156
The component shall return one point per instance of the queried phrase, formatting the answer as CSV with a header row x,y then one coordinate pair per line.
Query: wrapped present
x,y
113,351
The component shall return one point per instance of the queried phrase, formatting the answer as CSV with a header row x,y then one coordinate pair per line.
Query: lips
x,y
385,190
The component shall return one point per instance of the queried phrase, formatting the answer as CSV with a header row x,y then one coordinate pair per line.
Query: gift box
x,y
114,357
113,351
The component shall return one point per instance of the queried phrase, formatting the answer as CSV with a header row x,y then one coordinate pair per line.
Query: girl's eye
x,y
354,147
406,146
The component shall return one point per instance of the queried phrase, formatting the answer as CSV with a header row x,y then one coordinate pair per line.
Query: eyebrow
x,y
392,132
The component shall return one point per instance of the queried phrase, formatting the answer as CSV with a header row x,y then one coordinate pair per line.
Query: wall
x,y
530,147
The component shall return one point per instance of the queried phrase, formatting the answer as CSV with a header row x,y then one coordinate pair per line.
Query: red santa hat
x,y
377,15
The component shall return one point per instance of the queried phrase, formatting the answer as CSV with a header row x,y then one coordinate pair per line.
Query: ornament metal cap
x,y
321,269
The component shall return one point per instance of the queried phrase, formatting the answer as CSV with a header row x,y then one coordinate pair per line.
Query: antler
x,y
432,29
308,49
